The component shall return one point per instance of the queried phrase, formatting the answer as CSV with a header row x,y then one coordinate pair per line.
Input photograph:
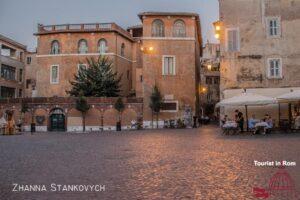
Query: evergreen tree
x,y
97,80
155,103
82,106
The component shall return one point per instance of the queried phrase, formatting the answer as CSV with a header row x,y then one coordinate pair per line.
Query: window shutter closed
x,y
232,37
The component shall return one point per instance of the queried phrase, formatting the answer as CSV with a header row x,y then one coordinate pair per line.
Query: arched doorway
x,y
57,120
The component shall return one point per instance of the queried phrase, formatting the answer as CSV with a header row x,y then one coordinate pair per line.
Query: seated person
x,y
224,120
269,122
252,121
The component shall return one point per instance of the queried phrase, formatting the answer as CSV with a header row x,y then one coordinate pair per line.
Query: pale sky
x,y
19,18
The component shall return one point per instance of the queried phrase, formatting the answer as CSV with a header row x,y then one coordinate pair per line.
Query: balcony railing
x,y
82,28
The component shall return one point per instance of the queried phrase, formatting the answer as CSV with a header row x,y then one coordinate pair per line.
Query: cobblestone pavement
x,y
153,164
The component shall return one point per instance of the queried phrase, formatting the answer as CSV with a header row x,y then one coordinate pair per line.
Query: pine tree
x,y
97,80
155,103
82,106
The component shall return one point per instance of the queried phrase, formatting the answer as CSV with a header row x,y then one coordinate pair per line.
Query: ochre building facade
x,y
164,50
259,51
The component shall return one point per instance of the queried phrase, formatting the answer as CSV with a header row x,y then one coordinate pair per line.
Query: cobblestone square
x,y
150,164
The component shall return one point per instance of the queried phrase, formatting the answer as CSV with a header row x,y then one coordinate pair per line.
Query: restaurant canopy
x,y
290,96
247,99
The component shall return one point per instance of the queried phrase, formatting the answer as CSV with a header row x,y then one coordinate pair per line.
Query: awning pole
x,y
290,115
279,114
246,107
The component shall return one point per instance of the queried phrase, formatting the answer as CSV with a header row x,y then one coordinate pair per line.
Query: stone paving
x,y
152,164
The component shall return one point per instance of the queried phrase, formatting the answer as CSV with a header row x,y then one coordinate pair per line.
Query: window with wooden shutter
x,y
233,40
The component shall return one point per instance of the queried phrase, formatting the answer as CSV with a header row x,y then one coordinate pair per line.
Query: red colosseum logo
x,y
281,186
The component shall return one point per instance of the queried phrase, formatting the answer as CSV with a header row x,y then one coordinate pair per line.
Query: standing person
x,y
297,121
236,115
241,121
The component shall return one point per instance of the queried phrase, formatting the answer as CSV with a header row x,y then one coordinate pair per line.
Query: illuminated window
x,y
158,28
168,65
179,29
82,46
55,48
54,74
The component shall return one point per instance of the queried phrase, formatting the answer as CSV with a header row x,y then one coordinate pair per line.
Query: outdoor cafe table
x,y
261,126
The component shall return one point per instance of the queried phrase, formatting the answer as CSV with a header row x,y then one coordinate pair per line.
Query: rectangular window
x,y
21,75
21,56
233,39
28,60
208,80
8,72
168,65
209,96
20,93
54,74
216,80
273,26
169,106
28,82
274,68
7,92
141,78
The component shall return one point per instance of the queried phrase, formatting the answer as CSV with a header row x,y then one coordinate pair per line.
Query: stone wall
x,y
101,116
247,68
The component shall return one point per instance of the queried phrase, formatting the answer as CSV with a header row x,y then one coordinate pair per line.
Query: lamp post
x,y
218,29
147,50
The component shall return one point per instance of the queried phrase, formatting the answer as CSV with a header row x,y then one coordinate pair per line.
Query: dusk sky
x,y
19,19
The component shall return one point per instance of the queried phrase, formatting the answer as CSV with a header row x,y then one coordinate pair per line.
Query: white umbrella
x,y
247,99
291,96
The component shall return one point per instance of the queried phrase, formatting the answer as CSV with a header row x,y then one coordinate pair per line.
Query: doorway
x,y
57,120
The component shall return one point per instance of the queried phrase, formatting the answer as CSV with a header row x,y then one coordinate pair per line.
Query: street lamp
x,y
202,89
218,28
147,49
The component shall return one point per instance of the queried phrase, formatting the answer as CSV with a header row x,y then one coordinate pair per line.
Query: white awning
x,y
291,96
247,99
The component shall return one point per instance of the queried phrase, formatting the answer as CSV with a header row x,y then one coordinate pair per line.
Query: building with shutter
x,y
259,51
12,66
164,50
